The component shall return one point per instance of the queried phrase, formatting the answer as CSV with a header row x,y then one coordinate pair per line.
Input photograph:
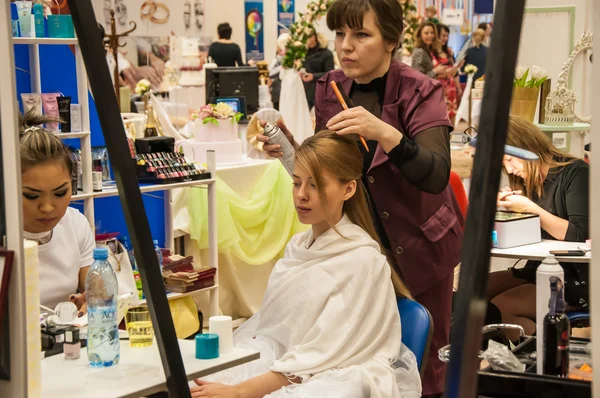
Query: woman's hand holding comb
x,y
359,121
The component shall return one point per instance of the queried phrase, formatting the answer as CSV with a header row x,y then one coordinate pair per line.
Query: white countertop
x,y
139,372
539,251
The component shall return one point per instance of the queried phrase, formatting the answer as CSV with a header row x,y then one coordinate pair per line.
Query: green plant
x,y
296,47
538,75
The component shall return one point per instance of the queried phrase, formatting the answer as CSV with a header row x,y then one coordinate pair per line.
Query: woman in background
x,y
224,52
318,61
427,46
449,79
477,54
275,69
555,187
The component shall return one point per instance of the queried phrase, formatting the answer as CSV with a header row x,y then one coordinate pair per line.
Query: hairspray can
x,y
277,137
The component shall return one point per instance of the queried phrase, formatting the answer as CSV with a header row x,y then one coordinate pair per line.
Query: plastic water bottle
x,y
547,269
158,254
102,292
127,245
277,137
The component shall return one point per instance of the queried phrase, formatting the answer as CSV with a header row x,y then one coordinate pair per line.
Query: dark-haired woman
x,y
65,238
449,80
401,114
224,52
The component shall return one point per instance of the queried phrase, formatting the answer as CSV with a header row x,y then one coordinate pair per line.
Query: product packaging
x,y
14,19
60,26
75,118
97,181
38,17
32,101
24,9
64,111
50,107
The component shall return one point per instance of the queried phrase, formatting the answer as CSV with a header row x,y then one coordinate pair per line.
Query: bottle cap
x,y
551,260
155,242
100,253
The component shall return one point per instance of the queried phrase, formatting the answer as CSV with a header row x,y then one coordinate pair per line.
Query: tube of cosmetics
x,y
64,111
50,106
14,19
24,9
75,118
32,101
38,19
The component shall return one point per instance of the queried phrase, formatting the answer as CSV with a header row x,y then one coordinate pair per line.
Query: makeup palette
x,y
167,168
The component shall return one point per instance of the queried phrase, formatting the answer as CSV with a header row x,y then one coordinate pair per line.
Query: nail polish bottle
x,y
72,344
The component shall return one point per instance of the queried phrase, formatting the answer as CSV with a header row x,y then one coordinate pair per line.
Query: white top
x,y
70,248
539,251
139,372
110,60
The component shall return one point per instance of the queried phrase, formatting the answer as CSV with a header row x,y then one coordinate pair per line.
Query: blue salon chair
x,y
579,319
417,329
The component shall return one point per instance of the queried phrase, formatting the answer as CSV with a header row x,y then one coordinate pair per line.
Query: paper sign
x,y
452,16
559,140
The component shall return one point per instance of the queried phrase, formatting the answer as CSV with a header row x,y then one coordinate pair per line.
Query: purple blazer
x,y
424,230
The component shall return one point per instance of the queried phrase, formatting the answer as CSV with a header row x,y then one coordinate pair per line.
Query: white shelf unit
x,y
82,93
88,195
568,138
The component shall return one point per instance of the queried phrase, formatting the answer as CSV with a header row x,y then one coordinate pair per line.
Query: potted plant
x,y
526,91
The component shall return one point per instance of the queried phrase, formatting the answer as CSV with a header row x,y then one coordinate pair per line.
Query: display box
x,y
517,229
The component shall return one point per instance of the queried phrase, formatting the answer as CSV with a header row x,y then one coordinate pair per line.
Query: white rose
x,y
223,110
297,43
537,72
519,72
308,31
323,7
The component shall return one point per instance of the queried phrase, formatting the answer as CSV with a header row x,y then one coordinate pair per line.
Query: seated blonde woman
x,y
329,324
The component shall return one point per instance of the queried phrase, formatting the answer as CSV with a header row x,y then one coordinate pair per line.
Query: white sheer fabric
x,y
293,105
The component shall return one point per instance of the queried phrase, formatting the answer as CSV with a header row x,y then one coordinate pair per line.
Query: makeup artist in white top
x,y
66,241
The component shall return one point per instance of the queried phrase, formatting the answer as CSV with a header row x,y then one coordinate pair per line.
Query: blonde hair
x,y
38,145
341,157
478,37
526,135
436,46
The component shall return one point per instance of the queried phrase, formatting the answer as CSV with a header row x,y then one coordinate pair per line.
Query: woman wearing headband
x,y
66,241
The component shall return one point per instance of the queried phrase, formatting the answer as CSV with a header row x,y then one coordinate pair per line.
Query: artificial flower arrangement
x,y
470,69
296,47
212,113
412,20
142,87
538,76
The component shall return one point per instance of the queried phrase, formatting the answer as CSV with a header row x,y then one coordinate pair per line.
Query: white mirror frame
x,y
585,43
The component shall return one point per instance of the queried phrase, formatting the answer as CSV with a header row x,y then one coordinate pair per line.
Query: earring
x,y
199,11
187,13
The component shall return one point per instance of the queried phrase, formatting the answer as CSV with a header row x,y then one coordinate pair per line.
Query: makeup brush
x,y
344,100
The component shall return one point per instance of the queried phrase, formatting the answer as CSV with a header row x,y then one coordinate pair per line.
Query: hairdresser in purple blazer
x,y
401,113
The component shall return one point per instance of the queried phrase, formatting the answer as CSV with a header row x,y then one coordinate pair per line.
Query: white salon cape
x,y
329,317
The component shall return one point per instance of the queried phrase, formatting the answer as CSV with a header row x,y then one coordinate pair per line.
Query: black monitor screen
x,y
234,82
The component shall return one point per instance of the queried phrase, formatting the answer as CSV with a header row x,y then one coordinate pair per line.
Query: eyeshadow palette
x,y
168,168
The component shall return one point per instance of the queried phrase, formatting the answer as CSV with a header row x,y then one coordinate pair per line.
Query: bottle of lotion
x,y
547,269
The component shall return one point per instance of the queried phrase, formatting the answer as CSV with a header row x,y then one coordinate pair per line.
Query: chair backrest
x,y
417,329
459,192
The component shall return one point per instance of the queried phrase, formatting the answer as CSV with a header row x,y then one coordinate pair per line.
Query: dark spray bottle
x,y
557,331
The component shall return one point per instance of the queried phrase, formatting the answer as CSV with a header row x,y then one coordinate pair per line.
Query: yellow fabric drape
x,y
255,229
